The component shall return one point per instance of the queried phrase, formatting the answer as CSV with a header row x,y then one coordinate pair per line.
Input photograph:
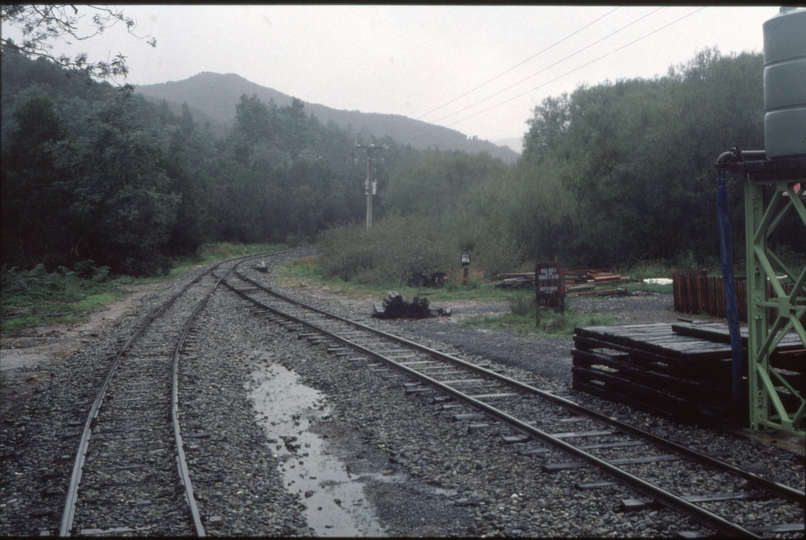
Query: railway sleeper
x,y
556,467
634,505
473,428
466,416
594,485
114,530
534,451
780,528
418,390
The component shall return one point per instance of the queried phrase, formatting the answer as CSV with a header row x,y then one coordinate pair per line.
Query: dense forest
x,y
612,174
615,174
91,171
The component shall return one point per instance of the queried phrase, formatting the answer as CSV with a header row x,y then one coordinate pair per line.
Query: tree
x,y
435,183
638,157
123,206
31,201
42,24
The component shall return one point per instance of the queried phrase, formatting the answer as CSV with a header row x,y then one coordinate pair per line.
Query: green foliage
x,y
390,252
521,318
90,172
636,159
42,24
307,267
32,202
35,297
612,174
122,203
436,183
88,270
522,305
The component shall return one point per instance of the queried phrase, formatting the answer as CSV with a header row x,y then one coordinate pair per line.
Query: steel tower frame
x,y
773,402
766,385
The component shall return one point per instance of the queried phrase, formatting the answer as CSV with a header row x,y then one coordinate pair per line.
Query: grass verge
x,y
520,319
35,298
308,271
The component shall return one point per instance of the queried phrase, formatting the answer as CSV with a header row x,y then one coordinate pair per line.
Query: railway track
x,y
563,434
130,475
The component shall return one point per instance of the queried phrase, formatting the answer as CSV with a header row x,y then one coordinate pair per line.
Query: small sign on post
x,y
549,286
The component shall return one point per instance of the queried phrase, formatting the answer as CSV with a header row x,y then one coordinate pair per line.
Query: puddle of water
x,y
335,501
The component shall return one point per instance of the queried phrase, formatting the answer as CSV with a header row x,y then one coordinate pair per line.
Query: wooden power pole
x,y
369,187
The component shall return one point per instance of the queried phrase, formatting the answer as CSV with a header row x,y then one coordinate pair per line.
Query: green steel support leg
x,y
756,293
767,408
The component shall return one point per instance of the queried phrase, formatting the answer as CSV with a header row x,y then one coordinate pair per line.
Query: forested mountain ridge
x,y
216,96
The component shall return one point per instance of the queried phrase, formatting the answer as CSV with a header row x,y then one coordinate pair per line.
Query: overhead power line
x,y
566,73
575,32
580,67
420,128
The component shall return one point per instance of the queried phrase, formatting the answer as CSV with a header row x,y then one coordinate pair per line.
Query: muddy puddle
x,y
336,505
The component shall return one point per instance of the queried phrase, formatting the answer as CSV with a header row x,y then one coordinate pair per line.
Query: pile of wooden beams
x,y
577,280
585,280
523,280
681,372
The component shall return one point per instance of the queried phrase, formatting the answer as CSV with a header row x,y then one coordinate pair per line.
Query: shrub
x,y
87,270
389,253
523,305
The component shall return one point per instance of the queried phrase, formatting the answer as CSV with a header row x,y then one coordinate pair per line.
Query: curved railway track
x,y
539,421
130,475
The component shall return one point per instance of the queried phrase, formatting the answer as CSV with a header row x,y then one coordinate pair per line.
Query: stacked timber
x,y
586,280
577,280
522,280
681,372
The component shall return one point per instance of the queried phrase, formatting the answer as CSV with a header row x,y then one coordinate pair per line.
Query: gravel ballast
x,y
423,474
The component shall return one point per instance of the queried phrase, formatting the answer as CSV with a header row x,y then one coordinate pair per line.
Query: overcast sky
x,y
411,60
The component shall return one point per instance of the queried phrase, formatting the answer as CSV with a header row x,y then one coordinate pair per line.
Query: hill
x,y
213,97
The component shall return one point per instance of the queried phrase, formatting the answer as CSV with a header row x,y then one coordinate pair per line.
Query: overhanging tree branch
x,y
41,25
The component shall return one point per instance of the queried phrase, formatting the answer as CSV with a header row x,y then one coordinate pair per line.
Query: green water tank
x,y
785,84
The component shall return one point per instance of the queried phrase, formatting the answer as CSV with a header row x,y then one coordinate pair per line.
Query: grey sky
x,y
410,60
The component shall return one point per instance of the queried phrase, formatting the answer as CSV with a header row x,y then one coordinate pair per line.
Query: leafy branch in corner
x,y
41,25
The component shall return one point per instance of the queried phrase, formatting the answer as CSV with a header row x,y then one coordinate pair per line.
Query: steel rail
x,y
785,492
68,514
75,479
671,500
184,473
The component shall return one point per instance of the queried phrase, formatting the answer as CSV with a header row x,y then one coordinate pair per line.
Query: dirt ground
x,y
27,358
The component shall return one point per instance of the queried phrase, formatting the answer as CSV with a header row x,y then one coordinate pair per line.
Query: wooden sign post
x,y
549,286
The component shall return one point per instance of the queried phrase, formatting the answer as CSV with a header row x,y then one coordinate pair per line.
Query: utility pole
x,y
369,186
